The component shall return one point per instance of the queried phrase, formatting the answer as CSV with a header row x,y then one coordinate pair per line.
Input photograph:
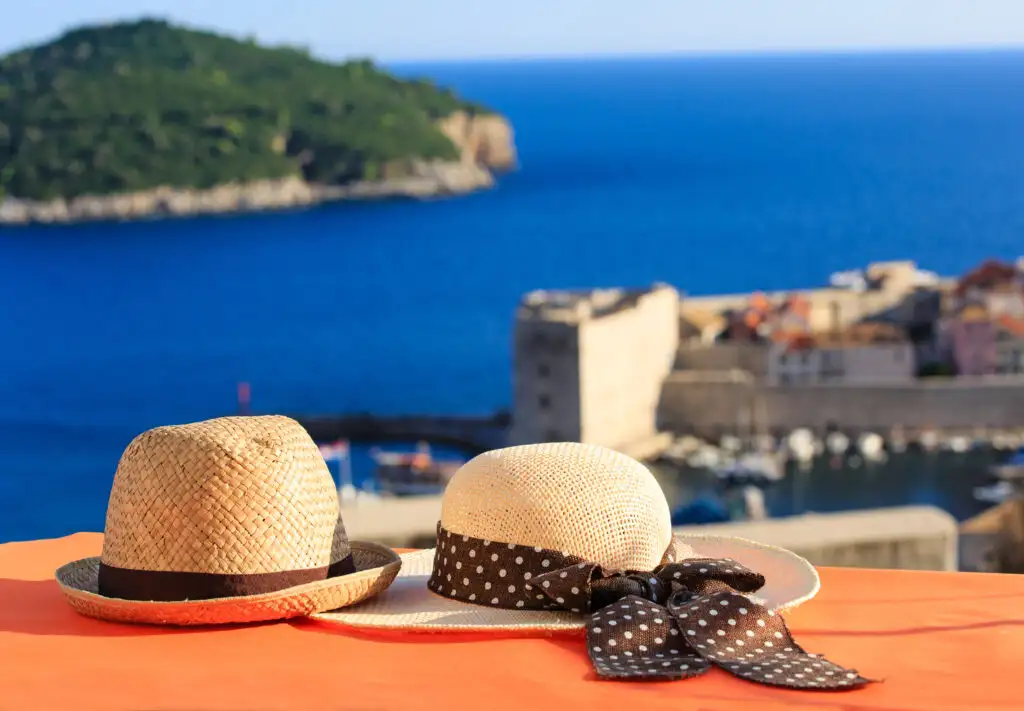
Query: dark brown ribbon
x,y
674,622
173,586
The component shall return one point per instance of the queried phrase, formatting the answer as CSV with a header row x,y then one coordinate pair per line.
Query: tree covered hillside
x,y
133,106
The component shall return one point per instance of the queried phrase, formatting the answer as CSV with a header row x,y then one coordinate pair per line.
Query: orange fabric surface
x,y
940,641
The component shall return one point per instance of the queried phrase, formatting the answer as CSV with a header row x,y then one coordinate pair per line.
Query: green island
x,y
142,105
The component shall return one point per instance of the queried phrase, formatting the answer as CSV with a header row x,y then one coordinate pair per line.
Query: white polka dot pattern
x,y
494,573
671,623
754,643
636,639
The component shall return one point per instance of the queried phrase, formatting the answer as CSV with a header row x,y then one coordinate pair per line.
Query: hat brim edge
x,y
377,567
408,605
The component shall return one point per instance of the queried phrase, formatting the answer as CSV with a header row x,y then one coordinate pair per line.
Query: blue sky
x,y
395,30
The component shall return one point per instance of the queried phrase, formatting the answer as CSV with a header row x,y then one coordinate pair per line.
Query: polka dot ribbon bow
x,y
678,621
672,623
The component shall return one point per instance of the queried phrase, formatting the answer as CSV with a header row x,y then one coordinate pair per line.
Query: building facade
x,y
1009,345
589,366
863,353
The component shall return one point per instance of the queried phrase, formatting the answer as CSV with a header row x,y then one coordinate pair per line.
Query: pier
x,y
475,434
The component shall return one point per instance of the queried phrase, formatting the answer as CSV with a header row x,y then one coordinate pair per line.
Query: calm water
x,y
945,480
711,174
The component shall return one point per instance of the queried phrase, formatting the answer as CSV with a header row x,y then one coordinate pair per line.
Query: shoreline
x,y
485,145
430,180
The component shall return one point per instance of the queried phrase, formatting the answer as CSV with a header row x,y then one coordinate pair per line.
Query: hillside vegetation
x,y
134,106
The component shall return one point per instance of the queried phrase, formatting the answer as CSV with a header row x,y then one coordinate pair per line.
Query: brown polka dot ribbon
x,y
674,622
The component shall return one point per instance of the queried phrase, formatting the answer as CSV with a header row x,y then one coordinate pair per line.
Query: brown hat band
x,y
674,622
173,586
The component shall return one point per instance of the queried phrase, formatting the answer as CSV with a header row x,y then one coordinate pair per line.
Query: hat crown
x,y
229,496
580,499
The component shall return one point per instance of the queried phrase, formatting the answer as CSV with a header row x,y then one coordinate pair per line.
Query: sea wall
x,y
485,142
709,402
751,357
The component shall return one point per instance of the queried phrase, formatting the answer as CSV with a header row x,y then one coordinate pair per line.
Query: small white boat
x,y
706,457
994,493
751,467
837,443
1012,468
682,448
958,444
1003,441
731,444
928,440
871,447
799,445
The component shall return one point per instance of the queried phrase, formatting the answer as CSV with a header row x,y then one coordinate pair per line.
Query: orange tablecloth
x,y
941,641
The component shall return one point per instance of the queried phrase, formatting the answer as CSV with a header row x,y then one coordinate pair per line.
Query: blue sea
x,y
713,174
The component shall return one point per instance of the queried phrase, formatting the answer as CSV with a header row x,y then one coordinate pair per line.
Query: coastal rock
x,y
485,140
485,143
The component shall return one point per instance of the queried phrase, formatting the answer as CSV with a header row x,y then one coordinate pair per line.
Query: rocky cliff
x,y
485,142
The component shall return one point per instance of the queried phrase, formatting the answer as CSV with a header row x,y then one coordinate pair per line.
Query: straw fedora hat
x,y
565,536
229,520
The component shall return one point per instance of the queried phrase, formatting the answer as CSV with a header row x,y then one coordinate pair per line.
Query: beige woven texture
x,y
575,498
234,495
378,567
581,499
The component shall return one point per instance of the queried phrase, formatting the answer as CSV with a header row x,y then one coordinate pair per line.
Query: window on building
x,y
805,358
543,370
544,401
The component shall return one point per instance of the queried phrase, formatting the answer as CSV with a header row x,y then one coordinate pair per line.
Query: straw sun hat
x,y
225,521
568,536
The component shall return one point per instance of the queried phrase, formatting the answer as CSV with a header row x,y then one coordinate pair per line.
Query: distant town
x,y
888,347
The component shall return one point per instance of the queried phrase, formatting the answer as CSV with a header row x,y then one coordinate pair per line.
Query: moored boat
x,y
412,473
1012,468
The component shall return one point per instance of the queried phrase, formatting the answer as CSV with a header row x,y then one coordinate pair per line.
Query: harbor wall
x,y
707,402
751,357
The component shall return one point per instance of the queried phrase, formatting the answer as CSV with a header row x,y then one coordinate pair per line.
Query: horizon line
x,y
853,51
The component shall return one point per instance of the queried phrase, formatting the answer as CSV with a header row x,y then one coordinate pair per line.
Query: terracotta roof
x,y
989,274
1011,324
759,302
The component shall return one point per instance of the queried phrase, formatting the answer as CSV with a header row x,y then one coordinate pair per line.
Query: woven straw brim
x,y
376,569
409,605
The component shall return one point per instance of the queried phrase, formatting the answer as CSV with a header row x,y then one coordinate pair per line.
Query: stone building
x,y
897,292
863,353
1009,345
983,320
589,366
